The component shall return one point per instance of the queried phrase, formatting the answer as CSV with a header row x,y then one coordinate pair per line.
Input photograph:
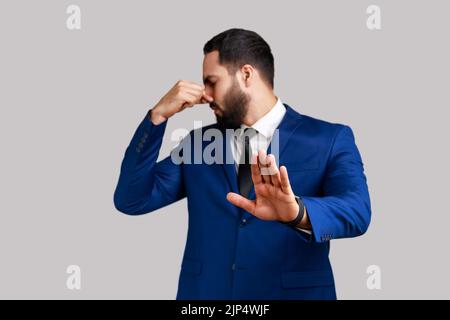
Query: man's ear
x,y
247,74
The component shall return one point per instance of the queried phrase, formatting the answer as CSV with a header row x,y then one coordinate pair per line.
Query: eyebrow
x,y
208,78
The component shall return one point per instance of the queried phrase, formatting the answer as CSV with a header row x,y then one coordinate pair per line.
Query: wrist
x,y
292,215
305,223
299,216
155,116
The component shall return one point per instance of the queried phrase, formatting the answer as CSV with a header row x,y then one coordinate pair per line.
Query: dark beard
x,y
234,109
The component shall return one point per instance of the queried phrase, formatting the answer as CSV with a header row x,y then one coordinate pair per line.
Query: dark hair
x,y
238,46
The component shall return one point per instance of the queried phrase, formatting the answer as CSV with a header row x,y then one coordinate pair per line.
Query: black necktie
x,y
244,171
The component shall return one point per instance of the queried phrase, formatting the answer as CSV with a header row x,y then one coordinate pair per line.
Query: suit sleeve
x,y
145,185
344,210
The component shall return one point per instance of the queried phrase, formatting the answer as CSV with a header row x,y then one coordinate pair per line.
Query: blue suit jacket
x,y
229,253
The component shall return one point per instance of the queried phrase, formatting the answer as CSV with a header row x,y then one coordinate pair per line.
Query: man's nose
x,y
209,92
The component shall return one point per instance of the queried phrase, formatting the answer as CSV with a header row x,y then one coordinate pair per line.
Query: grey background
x,y
71,100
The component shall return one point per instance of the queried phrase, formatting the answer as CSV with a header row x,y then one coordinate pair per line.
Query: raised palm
x,y
274,199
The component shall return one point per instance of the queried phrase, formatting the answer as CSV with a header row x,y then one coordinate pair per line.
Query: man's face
x,y
230,103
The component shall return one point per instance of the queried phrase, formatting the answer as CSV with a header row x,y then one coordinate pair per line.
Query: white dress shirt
x,y
265,128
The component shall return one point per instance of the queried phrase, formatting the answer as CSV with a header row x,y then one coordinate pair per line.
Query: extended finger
x,y
273,171
285,184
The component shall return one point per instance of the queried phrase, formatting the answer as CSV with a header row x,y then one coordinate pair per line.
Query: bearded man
x,y
254,231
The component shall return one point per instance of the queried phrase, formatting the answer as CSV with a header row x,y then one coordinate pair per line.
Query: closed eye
x,y
209,80
209,84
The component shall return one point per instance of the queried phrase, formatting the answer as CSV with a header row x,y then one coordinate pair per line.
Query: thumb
x,y
241,202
